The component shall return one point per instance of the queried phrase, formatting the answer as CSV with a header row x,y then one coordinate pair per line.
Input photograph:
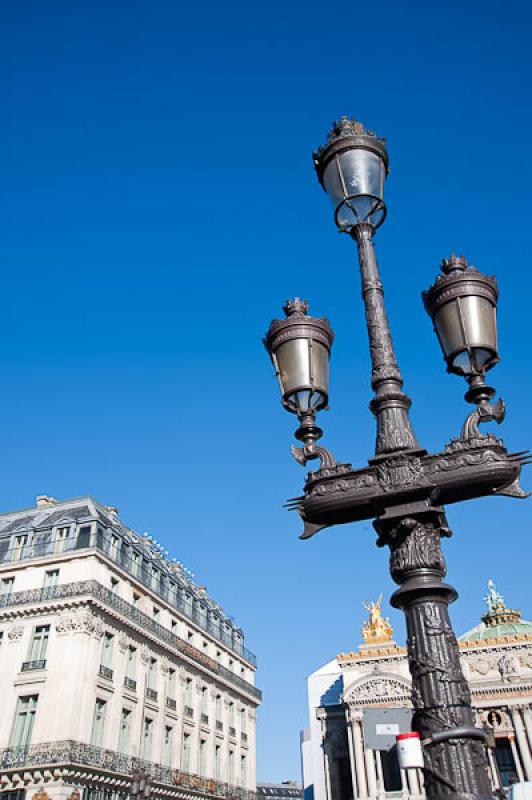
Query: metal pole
x,y
455,760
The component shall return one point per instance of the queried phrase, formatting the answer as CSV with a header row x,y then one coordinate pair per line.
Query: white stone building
x,y
337,763
113,662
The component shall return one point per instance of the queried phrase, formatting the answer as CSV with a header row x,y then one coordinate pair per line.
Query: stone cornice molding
x,y
92,595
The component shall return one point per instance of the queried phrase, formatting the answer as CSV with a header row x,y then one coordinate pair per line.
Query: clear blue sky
x,y
159,205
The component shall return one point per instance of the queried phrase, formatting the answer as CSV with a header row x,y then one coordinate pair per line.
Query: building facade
x,y
114,663
353,688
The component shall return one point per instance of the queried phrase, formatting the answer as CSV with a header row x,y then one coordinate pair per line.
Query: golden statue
x,y
377,629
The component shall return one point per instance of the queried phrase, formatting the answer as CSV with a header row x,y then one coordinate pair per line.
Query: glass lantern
x,y
299,347
462,304
352,167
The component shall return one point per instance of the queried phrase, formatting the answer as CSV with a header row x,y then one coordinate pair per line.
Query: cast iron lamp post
x,y
403,488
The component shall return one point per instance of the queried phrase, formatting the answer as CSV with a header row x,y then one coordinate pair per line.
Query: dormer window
x,y
61,538
19,544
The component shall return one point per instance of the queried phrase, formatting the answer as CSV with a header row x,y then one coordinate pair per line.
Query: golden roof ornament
x,y
376,629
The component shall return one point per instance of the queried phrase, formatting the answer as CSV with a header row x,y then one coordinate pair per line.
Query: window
x,y
167,745
24,718
84,536
188,692
243,770
51,578
202,751
152,673
123,737
18,547
218,762
243,720
232,714
155,579
98,723
39,643
107,650
7,585
218,706
61,539
170,689
147,734
231,766
114,584
131,663
135,563
205,700
155,613
136,598
185,755
114,549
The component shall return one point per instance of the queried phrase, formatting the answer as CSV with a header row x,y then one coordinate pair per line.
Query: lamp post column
x,y
455,761
390,404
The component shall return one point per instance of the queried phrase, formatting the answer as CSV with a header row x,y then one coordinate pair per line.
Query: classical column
x,y
527,716
517,760
372,775
380,788
351,754
522,740
359,758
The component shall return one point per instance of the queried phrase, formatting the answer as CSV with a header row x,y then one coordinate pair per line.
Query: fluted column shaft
x,y
359,760
522,741
351,747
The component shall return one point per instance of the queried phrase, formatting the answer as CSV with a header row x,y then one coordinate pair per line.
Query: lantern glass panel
x,y
467,330
356,176
303,371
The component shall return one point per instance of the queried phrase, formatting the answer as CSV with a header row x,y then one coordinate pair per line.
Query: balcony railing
x,y
99,592
130,684
151,694
171,703
72,754
105,672
188,712
30,665
101,541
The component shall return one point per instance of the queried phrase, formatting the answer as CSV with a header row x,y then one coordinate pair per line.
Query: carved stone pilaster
x,y
440,693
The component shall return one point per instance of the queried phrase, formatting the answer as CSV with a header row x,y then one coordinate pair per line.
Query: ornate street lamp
x,y
403,488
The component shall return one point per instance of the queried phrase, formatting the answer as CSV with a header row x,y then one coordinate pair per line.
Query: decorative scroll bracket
x,y
487,412
311,451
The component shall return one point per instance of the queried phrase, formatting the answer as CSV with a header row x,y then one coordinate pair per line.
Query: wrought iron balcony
x,y
151,694
73,754
171,703
28,666
188,712
129,683
105,672
96,590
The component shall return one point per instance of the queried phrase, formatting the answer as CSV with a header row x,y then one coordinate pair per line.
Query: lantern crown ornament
x,y
352,166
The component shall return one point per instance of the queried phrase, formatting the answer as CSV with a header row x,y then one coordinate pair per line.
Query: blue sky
x,y
159,205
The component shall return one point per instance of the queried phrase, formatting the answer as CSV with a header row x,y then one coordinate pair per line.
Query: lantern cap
x,y
346,134
458,278
296,324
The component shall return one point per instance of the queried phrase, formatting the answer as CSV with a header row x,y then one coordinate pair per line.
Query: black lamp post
x,y
403,488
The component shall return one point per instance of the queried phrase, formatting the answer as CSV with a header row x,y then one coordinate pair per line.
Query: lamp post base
x,y
455,759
